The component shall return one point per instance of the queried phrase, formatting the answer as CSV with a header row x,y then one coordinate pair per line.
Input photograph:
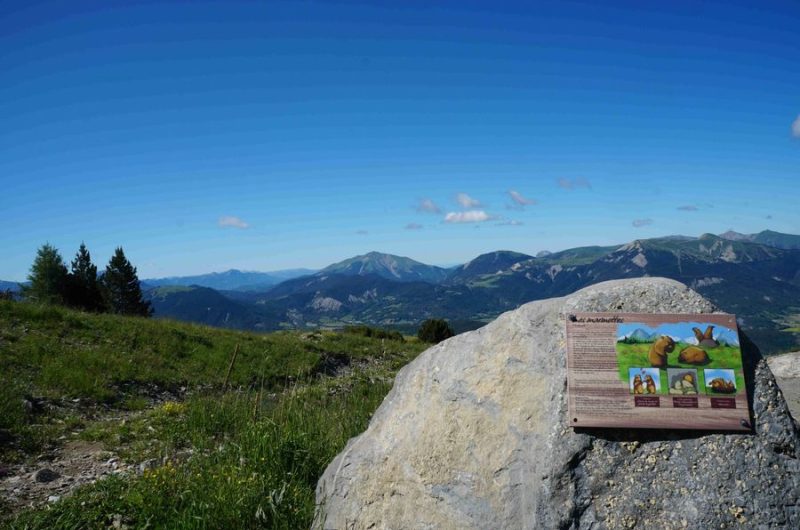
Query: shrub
x,y
435,330
375,333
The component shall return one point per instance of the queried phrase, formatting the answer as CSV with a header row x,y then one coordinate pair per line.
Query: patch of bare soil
x,y
56,473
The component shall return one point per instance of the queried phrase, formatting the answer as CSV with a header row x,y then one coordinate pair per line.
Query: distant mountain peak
x,y
389,266
735,236
490,263
502,258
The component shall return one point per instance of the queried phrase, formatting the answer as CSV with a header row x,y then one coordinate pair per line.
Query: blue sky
x,y
203,136
680,330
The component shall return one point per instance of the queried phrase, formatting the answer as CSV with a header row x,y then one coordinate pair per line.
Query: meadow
x,y
257,445
635,355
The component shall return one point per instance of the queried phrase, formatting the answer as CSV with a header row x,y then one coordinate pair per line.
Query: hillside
x,y
210,307
143,403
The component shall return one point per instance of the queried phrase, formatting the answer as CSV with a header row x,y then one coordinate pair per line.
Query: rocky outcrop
x,y
473,435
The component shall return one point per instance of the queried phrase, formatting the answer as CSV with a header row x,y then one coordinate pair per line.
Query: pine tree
x,y
84,291
121,288
48,277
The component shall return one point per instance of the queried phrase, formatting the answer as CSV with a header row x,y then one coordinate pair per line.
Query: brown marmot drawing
x,y
659,351
637,385
693,355
651,385
721,385
707,338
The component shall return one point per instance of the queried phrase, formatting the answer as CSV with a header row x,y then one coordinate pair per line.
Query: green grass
x,y
58,352
252,451
636,356
244,473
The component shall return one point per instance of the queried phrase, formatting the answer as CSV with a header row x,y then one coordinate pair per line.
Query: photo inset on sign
x,y
644,381
682,382
682,346
720,382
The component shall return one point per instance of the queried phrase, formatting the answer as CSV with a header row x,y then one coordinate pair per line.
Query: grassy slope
x,y
257,451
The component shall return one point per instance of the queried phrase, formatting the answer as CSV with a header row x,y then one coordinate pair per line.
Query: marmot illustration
x,y
659,351
637,385
707,338
721,385
693,355
651,385
684,385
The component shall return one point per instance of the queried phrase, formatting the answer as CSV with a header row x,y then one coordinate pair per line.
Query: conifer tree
x,y
121,289
84,291
48,277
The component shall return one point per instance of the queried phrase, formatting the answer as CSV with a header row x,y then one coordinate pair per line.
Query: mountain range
x,y
759,281
766,237
14,287
755,276
233,279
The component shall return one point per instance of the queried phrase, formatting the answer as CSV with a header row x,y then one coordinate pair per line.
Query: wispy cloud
x,y
362,232
641,222
520,200
796,127
413,226
466,201
511,222
231,221
428,206
688,208
470,216
573,184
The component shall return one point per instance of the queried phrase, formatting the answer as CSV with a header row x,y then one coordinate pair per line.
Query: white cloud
x,y
519,199
413,226
688,208
511,222
428,206
470,216
641,222
572,184
466,201
796,127
231,221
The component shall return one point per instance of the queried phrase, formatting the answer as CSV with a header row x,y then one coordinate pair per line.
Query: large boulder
x,y
474,435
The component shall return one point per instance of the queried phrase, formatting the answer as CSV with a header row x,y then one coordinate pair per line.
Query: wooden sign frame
x,y
655,371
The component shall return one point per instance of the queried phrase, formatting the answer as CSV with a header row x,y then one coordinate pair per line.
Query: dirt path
x,y
56,473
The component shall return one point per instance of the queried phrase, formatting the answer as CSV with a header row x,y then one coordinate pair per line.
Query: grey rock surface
x,y
473,435
786,369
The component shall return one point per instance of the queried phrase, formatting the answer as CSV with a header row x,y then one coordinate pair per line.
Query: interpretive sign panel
x,y
641,370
